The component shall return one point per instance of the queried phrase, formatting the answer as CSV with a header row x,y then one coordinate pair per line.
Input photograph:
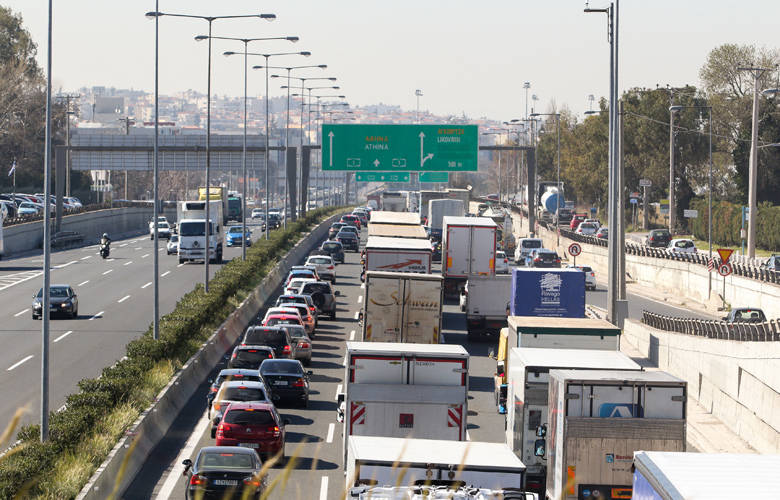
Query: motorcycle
x,y
105,250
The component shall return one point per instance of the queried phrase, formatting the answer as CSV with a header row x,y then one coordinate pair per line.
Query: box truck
x,y
528,372
438,209
191,225
404,390
427,196
548,292
218,193
563,333
397,231
486,304
387,217
468,249
407,255
597,419
393,201
402,307
660,475
389,461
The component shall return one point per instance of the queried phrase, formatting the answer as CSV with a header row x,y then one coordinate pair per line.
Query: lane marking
x,y
100,313
125,244
166,273
87,281
323,485
137,248
357,313
161,249
351,334
130,262
65,265
22,312
112,269
468,437
63,335
126,296
147,255
360,297
338,391
183,262
148,284
174,477
15,365
89,256
362,285
110,259
331,428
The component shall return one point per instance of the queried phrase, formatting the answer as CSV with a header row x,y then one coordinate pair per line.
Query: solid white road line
x,y
331,428
106,272
166,273
100,313
130,262
22,312
126,296
87,281
174,477
338,391
323,485
147,255
150,283
351,334
360,297
63,335
15,365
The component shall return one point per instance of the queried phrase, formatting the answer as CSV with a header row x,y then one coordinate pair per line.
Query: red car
x,y
352,220
576,219
253,425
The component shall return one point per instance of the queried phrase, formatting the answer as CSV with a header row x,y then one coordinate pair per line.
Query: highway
x,y
115,306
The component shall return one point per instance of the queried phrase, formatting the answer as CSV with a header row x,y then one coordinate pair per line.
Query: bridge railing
x,y
768,331
21,219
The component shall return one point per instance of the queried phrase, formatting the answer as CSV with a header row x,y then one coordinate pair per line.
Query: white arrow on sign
x,y
376,162
423,157
330,135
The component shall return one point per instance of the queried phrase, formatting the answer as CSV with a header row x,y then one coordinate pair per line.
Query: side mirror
x,y
211,381
217,418
310,373
337,293
340,398
187,464
539,448
541,431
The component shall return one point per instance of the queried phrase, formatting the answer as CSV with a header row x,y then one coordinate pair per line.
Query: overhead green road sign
x,y
362,147
434,177
382,176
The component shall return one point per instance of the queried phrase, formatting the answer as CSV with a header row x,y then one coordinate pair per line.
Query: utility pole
x,y
67,98
671,173
127,120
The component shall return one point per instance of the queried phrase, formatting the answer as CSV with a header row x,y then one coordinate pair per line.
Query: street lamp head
x,y
592,112
673,109
527,85
770,92
292,39
332,78
277,76
153,15
305,53
200,38
229,53
267,17
418,93
533,115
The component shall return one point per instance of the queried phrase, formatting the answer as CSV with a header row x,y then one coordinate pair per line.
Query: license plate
x,y
280,382
248,445
226,482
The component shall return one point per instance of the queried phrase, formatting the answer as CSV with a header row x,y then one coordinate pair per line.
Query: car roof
x,y
254,384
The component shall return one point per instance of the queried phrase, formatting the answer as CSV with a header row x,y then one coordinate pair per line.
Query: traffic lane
x,y
639,303
315,429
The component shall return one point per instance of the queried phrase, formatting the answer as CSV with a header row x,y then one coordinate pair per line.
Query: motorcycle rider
x,y
105,244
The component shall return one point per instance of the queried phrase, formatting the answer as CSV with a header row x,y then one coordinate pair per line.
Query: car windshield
x,y
162,225
174,239
346,235
320,260
242,393
194,229
235,230
222,460
749,315
311,288
660,232
55,291
587,269
251,356
291,368
531,244
249,417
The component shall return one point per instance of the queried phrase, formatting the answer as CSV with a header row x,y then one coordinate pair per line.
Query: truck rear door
x,y
366,369
422,311
457,250
384,297
437,371
483,251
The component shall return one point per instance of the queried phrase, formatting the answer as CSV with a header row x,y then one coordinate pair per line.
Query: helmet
x,y
105,235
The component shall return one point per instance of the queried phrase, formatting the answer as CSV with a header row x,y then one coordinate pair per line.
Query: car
x,y
334,229
304,344
658,238
772,264
326,269
236,391
351,220
745,315
27,208
282,309
224,472
249,356
258,213
348,240
351,229
681,245
306,315
228,374
543,257
576,219
163,230
362,217
524,247
299,299
75,202
287,380
333,248
502,263
587,228
323,296
436,251
233,236
172,247
62,299
253,425
563,216
590,276
271,337
295,285
283,319
301,274
274,220
602,233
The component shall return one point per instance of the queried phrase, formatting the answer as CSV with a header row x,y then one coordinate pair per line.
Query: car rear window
x,y
587,269
320,260
249,417
273,338
685,244
286,299
531,244
239,377
282,367
588,225
223,460
331,246
241,393
311,288
253,356
660,232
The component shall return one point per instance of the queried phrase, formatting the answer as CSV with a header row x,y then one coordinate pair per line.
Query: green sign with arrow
x,y
434,177
410,148
382,176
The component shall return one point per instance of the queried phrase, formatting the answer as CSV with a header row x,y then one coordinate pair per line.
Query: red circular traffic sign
x,y
724,270
575,249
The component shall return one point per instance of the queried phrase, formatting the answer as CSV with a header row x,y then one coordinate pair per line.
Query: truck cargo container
x,y
393,201
438,209
191,216
404,390
402,307
527,388
408,255
486,304
563,333
388,461
397,231
216,193
468,249
598,419
660,475
388,217
556,293
463,195
427,196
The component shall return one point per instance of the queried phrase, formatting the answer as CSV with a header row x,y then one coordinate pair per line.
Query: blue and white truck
x,y
558,293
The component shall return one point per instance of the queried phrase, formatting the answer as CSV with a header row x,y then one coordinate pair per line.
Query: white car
x,y
27,208
502,263
326,269
524,248
587,228
257,212
296,284
590,276
173,244
163,230
283,310
681,245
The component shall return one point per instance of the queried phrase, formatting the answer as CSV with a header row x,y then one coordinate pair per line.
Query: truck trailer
x,y
402,307
486,304
438,209
563,333
468,249
597,419
389,217
548,292
397,231
406,255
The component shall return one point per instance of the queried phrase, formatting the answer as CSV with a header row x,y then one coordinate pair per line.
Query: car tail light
x,y
222,428
330,267
592,274
298,383
305,345
506,261
286,349
312,309
197,480
217,406
558,261
214,389
538,259
275,430
234,355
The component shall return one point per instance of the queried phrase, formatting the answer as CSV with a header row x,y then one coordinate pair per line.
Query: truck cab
x,y
192,241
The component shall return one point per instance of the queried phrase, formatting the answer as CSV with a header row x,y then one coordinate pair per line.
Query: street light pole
x,y
156,180
671,173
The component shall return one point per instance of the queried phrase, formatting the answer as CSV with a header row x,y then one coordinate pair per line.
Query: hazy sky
x,y
466,56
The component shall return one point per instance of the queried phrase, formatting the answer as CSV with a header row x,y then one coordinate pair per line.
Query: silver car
x,y
298,335
590,276
173,244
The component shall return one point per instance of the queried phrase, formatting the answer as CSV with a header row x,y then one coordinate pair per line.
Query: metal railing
x,y
768,331
22,219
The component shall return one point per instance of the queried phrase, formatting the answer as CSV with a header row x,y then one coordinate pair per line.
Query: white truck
x,y
427,196
402,307
389,461
407,255
468,249
598,419
662,475
191,225
404,391
438,209
393,201
528,376
486,304
397,231
563,333
388,217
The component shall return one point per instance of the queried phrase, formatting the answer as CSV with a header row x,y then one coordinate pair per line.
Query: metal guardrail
x,y
22,219
768,331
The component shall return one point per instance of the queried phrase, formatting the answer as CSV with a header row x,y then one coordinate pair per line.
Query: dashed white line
x,y
89,256
106,272
137,248
331,428
174,476
183,262
22,312
357,313
63,335
98,315
130,262
338,391
148,284
125,244
362,285
125,297
323,485
166,273
87,281
351,334
161,249
110,259
147,255
360,297
16,365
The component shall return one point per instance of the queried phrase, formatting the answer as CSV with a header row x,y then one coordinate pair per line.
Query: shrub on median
x,y
196,315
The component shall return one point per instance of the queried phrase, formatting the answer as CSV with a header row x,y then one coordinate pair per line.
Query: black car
x,y
334,229
231,374
287,380
323,296
250,356
543,257
274,220
335,249
224,472
62,299
658,238
271,336
349,240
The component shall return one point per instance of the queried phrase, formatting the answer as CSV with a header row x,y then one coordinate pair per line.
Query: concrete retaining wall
x,y
738,382
154,423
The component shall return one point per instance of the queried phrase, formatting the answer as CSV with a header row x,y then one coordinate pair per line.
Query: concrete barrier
x,y
152,425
